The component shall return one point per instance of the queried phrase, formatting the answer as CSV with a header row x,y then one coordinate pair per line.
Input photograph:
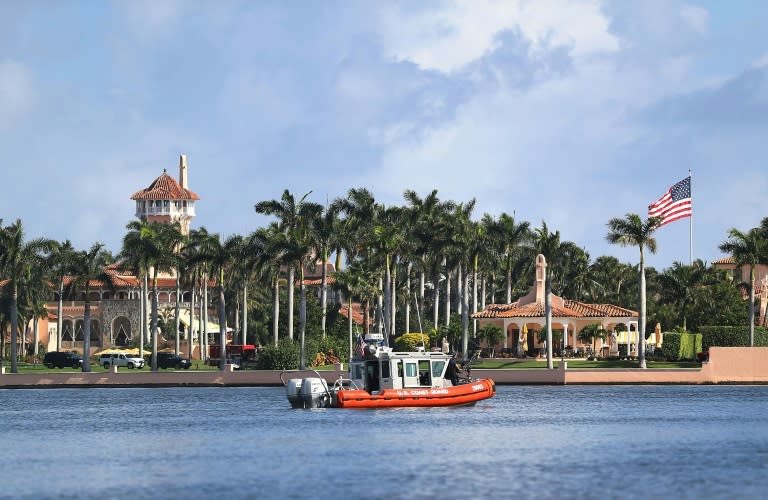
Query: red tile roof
x,y
570,309
725,260
165,187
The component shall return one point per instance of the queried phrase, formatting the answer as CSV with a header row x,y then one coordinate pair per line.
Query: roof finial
x,y
164,170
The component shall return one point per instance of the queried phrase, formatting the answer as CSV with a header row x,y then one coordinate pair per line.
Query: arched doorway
x,y
121,329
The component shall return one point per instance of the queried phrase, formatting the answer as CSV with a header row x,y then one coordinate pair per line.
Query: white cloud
x,y
696,17
16,92
450,36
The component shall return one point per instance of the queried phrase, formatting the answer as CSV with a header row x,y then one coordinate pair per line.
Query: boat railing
x,y
342,383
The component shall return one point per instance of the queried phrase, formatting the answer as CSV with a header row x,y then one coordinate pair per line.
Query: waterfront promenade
x,y
727,365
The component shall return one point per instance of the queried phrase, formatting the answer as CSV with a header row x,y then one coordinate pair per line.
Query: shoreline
x,y
726,366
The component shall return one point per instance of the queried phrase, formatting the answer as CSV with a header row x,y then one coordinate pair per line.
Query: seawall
x,y
726,365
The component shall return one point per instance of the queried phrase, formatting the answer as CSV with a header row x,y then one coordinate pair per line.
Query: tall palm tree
x,y
748,249
60,260
157,243
292,216
17,258
323,236
634,231
88,270
510,237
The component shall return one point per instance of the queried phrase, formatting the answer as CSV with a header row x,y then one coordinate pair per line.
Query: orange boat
x,y
382,378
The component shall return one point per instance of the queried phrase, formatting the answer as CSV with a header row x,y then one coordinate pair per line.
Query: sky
x,y
564,112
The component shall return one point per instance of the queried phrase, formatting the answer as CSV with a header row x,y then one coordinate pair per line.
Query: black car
x,y
62,360
171,360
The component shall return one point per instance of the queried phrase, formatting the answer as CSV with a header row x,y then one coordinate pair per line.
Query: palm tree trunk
x,y
459,289
177,319
276,306
153,329
324,294
14,329
641,326
349,323
448,278
143,313
474,295
408,269
245,313
191,328
222,323
509,280
204,307
35,335
465,315
302,321
291,279
393,304
387,296
87,333
436,293
59,319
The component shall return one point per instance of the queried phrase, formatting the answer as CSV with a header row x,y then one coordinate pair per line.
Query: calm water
x,y
527,442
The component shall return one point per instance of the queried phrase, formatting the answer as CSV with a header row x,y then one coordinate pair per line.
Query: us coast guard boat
x,y
382,378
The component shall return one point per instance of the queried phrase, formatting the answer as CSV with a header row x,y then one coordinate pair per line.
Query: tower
x,y
166,200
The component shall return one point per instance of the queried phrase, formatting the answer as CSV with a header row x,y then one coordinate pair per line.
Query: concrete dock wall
x,y
730,365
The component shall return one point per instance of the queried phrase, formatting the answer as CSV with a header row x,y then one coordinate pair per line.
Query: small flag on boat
x,y
360,347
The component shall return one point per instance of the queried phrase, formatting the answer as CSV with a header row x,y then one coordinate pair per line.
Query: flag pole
x,y
690,223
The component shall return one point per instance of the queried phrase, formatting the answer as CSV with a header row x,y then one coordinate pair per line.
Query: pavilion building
x,y
520,319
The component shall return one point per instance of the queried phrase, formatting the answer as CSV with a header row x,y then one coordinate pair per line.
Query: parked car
x,y
171,360
60,359
120,359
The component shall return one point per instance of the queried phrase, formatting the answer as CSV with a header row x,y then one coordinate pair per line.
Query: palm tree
x,y
324,236
17,258
88,268
748,249
510,237
679,284
291,215
592,332
156,243
633,231
60,262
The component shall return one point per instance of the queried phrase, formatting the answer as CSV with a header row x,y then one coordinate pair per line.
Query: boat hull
x,y
464,394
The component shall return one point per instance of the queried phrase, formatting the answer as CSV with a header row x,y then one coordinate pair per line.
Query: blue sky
x,y
569,112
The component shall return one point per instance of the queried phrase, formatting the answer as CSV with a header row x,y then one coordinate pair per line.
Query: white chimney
x,y
183,171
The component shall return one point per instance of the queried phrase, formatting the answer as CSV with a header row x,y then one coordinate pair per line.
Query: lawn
x,y
496,363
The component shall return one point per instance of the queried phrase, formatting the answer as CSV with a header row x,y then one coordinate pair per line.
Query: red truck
x,y
237,354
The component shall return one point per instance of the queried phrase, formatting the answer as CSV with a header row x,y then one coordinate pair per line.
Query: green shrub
x,y
284,356
411,342
679,346
732,336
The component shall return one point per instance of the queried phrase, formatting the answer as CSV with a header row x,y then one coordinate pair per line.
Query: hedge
x,y
732,336
679,346
411,342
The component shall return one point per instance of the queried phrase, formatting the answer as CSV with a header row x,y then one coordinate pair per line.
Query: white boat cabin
x,y
381,368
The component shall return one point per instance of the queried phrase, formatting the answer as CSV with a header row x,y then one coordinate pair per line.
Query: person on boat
x,y
452,372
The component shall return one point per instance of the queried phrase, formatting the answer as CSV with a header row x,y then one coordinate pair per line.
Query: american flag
x,y
675,204
360,347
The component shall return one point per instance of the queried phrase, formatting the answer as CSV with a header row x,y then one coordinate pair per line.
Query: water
x,y
527,442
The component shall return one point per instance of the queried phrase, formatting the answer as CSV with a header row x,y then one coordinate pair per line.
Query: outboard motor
x,y
293,391
314,393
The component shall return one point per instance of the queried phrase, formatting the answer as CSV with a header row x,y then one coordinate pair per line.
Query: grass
x,y
506,363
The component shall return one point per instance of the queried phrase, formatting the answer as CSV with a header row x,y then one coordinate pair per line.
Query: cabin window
x,y
399,368
410,370
424,378
385,372
437,368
